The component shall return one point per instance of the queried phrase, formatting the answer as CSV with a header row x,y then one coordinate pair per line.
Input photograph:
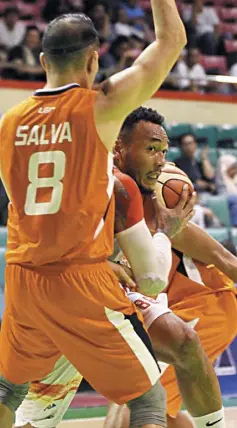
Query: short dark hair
x,y
67,36
139,115
187,134
11,10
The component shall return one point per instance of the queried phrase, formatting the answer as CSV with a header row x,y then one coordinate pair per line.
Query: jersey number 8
x,y
54,184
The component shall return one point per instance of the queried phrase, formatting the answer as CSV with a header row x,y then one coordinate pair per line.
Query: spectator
x,y
204,217
226,182
123,27
202,27
133,10
190,68
100,17
201,173
25,57
119,57
11,29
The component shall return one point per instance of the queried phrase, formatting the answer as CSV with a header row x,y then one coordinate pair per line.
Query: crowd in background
x,y
125,28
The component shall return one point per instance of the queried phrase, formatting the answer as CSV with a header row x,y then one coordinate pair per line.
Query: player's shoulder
x,y
16,110
124,181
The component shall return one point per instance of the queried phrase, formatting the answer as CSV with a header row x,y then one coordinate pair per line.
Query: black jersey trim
x,y
56,91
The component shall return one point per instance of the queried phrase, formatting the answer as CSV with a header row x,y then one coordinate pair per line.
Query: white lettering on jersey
x,y
45,110
25,136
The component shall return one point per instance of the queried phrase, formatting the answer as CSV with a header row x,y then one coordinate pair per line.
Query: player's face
x,y
145,155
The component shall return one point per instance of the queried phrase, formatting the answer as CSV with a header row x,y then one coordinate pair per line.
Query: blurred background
x,y
198,99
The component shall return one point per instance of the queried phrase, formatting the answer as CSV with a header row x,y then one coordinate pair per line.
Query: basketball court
x,y
231,419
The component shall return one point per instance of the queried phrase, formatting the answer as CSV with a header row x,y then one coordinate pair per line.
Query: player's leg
x,y
176,343
119,417
48,399
104,339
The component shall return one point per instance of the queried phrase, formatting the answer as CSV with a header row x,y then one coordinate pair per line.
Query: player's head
x,y
188,145
70,49
141,147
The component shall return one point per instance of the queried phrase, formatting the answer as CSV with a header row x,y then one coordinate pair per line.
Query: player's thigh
x,y
49,398
26,352
215,327
103,336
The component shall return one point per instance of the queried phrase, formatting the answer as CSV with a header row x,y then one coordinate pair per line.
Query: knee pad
x,y
12,395
150,408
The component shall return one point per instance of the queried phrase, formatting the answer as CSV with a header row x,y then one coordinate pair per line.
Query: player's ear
x,y
118,151
42,61
93,61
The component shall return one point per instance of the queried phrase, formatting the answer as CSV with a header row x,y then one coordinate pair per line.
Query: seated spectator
x,y
11,29
118,58
123,26
189,67
201,173
226,178
100,17
226,182
133,10
204,217
202,27
25,58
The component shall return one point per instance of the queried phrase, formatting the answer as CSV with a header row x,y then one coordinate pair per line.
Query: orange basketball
x,y
170,185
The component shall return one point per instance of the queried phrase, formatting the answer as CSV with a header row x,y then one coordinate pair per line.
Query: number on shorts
x,y
32,207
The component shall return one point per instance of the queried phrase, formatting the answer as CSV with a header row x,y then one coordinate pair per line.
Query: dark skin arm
x,y
206,249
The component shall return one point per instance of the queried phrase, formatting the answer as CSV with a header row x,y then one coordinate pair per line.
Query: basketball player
x,y
198,292
179,345
56,165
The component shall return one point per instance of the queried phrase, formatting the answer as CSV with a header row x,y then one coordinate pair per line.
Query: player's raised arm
x,y
127,90
206,249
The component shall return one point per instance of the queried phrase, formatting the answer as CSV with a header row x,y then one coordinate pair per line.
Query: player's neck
x,y
58,80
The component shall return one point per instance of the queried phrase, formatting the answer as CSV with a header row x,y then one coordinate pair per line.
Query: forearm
x,y
166,18
149,258
208,169
206,249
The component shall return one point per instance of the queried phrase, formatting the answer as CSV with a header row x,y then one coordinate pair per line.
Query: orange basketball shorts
x,y
82,313
215,329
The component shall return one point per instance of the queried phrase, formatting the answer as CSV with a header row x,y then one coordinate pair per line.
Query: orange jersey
x,y
190,274
58,176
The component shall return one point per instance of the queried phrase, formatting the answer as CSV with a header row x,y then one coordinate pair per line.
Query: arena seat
x,y
219,205
3,236
220,234
234,236
175,130
206,134
228,14
2,266
219,63
173,153
230,46
227,137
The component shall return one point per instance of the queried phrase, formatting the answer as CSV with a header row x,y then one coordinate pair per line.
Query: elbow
x,y
152,287
175,35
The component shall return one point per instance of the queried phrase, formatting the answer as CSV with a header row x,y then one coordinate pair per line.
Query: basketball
x,y
170,185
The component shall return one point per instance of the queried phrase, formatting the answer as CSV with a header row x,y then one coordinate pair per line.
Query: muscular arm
x,y
149,258
127,90
206,249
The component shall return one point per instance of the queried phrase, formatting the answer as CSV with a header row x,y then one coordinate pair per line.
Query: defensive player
x,y
179,346
56,166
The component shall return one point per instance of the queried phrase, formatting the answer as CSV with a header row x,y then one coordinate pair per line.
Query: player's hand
x,y
124,274
172,221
